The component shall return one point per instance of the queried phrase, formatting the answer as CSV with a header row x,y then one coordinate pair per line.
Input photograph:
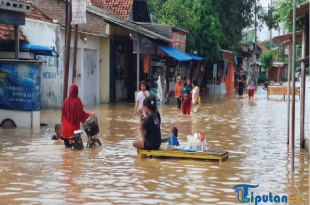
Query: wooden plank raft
x,y
208,154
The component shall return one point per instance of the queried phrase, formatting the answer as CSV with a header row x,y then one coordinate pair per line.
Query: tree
x,y
235,16
266,59
248,37
283,9
202,22
271,18
229,17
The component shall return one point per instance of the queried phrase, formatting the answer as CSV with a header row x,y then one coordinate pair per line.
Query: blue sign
x,y
20,87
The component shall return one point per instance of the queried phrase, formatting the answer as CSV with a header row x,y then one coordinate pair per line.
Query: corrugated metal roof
x,y
126,24
161,29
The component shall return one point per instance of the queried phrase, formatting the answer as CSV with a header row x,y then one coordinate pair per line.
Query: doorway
x,y
121,70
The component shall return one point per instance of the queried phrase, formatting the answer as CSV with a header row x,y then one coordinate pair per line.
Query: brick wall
x,y
55,9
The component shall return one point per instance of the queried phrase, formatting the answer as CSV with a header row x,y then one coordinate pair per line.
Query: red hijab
x,y
72,108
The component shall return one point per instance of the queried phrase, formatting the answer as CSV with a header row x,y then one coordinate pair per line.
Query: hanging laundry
x,y
214,73
225,68
214,70
222,67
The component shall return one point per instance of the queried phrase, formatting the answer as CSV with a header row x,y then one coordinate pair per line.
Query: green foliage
x,y
235,16
199,18
283,9
271,18
266,59
248,37
211,23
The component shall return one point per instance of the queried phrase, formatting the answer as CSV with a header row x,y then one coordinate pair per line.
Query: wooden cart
x,y
208,154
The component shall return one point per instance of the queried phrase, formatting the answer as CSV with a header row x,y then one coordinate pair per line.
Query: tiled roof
x,y
98,4
55,9
262,47
37,15
120,8
7,33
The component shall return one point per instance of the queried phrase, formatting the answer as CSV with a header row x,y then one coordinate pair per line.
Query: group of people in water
x,y
187,94
72,114
149,120
250,84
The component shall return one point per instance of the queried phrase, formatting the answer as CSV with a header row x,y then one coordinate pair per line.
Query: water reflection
x,y
36,170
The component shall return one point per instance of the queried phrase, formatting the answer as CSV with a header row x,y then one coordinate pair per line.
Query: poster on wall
x,y
178,41
20,87
78,12
157,69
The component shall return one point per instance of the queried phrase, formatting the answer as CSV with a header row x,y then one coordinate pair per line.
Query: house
x,y
20,71
132,10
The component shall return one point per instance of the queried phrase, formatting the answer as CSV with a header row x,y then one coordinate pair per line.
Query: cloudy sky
x,y
264,33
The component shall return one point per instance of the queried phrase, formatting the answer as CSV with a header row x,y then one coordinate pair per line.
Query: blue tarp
x,y
176,54
195,58
39,50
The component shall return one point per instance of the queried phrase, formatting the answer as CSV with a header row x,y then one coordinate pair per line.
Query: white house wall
x,y
47,34
87,67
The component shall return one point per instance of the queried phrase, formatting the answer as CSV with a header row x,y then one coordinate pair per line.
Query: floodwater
x,y
36,170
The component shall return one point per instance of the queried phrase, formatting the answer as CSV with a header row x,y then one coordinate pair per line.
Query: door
x,y
90,77
130,72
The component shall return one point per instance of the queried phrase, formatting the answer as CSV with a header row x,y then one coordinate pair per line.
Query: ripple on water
x,y
32,166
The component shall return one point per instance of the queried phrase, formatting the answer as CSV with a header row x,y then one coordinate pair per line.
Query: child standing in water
x,y
196,96
150,128
251,85
186,99
142,94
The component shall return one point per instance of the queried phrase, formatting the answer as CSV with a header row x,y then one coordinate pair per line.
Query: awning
x,y
301,9
39,50
195,58
288,37
176,54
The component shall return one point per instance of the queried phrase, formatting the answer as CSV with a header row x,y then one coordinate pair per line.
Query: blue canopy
x,y
39,50
176,54
195,58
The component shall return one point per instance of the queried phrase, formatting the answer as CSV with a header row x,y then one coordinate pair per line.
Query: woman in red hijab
x,y
72,114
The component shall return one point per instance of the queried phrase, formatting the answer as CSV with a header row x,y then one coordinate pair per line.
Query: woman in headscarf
x,y
251,85
178,86
72,114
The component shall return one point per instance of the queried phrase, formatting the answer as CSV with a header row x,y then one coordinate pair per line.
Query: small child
x,y
174,140
57,135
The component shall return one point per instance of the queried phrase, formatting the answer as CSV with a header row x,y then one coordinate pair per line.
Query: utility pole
x,y
75,52
270,41
67,54
255,35
293,86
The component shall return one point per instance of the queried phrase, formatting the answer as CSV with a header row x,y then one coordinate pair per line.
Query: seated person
x,y
57,135
174,140
150,128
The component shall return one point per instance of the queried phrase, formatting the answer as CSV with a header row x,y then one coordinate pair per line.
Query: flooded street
x,y
36,170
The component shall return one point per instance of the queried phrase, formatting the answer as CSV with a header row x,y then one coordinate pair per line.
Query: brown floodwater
x,y
36,170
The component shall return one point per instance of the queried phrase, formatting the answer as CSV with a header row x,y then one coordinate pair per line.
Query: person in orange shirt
x,y
178,86
72,114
